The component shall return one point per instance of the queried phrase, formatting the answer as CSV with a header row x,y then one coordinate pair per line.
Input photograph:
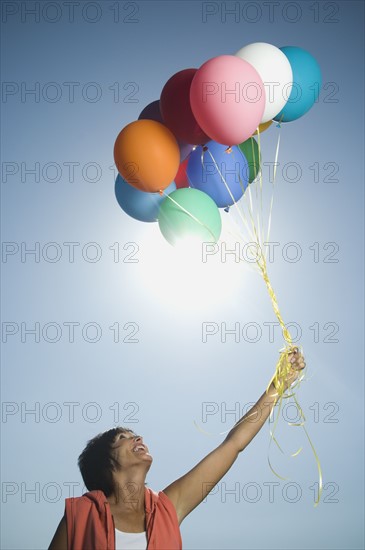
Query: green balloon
x,y
194,216
250,149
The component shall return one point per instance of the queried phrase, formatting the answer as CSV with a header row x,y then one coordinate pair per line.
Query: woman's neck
x,y
129,494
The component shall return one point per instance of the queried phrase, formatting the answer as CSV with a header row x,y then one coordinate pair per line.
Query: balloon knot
x,y
226,209
228,150
205,148
161,192
278,125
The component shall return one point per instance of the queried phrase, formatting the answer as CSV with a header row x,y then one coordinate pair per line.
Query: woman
x,y
120,513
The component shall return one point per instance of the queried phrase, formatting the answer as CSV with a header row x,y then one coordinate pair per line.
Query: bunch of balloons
x,y
192,152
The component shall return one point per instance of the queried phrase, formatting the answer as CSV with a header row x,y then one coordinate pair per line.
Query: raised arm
x,y
190,490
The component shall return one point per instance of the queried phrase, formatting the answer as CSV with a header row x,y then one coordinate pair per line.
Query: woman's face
x,y
129,449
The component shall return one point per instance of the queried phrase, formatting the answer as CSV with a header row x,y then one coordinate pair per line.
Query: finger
x,y
294,353
300,365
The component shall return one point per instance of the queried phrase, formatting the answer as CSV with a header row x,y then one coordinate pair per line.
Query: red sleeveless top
x,y
90,524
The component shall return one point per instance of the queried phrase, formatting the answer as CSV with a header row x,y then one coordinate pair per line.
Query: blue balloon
x,y
307,82
208,170
138,204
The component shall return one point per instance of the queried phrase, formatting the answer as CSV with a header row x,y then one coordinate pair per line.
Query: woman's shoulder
x,y
157,498
90,495
90,499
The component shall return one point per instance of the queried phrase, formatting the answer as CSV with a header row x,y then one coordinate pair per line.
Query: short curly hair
x,y
96,462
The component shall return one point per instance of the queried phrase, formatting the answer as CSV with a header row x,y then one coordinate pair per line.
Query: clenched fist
x,y
297,364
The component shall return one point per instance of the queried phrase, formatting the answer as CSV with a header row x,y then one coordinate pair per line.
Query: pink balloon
x,y
227,98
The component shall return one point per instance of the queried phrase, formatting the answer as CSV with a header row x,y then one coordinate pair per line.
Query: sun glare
x,y
189,276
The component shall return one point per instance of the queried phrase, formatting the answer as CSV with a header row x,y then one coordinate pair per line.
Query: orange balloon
x,y
264,126
147,155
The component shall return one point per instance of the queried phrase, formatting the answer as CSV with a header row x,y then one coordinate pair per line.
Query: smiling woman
x,y
120,513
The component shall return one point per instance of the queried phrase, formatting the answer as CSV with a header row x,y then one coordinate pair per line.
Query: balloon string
x,y
282,371
283,367
319,468
261,262
256,232
273,187
260,181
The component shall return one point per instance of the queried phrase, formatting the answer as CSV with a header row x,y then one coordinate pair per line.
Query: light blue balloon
x,y
307,82
138,204
209,170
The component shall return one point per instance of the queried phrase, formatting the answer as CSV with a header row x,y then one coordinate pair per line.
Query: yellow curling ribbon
x,y
283,366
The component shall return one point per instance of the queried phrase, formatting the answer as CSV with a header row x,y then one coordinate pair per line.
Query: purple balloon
x,y
152,112
185,150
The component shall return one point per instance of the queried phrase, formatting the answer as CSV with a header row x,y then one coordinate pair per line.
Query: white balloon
x,y
275,71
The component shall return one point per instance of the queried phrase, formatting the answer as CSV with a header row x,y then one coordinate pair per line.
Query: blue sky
x,y
119,318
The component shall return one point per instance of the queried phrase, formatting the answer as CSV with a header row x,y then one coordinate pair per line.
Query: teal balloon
x,y
138,204
193,214
307,82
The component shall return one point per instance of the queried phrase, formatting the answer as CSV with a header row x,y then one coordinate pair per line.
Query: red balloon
x,y
181,178
176,110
